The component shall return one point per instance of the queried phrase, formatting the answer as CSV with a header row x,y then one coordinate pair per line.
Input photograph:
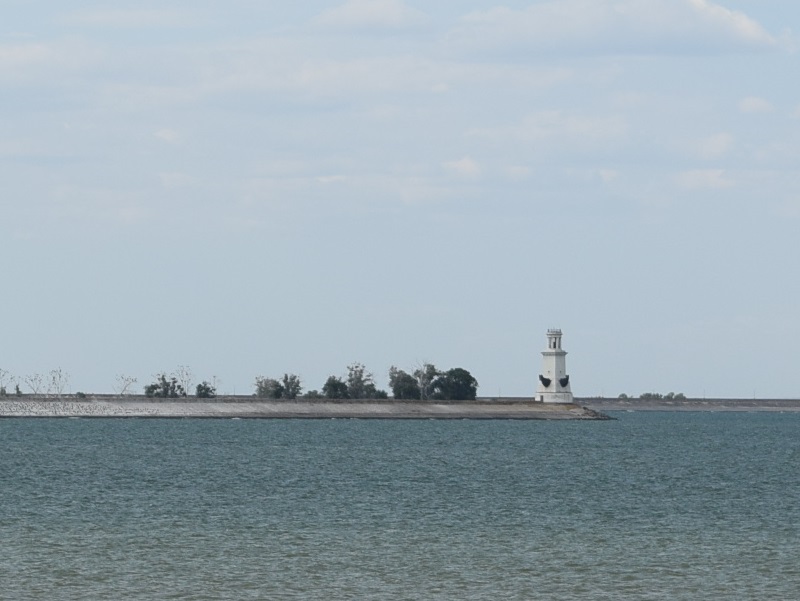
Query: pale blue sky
x,y
252,187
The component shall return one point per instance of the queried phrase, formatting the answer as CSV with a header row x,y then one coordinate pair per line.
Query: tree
x,y
268,388
35,382
403,385
425,375
165,388
59,381
359,381
5,377
183,374
124,384
205,390
292,387
455,384
335,388
313,395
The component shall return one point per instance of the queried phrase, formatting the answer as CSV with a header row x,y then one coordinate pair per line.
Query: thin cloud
x,y
175,179
464,167
754,104
132,18
704,179
559,130
23,55
45,62
371,14
714,147
612,27
168,135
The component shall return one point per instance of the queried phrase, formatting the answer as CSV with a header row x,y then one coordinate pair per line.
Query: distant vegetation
x,y
656,396
429,383
165,388
426,382
55,383
287,388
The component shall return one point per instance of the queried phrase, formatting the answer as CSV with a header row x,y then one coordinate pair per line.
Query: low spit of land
x,y
251,408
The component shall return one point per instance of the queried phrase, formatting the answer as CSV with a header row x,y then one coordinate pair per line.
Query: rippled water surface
x,y
651,506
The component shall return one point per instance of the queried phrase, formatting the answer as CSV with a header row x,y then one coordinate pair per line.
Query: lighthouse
x,y
554,380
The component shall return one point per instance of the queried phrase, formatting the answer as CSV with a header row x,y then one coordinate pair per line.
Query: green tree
x,y
425,375
335,388
455,384
268,388
403,385
292,386
164,388
205,390
359,381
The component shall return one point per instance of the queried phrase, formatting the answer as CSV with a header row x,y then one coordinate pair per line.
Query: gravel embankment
x,y
292,409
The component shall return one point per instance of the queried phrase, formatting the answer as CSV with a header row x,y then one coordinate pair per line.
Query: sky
x,y
251,188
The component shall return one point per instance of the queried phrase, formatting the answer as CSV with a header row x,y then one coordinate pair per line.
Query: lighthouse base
x,y
554,397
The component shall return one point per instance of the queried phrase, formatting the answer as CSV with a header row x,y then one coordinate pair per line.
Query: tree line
x,y
55,383
426,382
656,396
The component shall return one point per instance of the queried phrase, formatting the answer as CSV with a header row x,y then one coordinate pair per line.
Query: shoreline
x,y
248,408
695,405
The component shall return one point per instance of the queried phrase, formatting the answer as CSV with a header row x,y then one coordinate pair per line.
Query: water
x,y
652,506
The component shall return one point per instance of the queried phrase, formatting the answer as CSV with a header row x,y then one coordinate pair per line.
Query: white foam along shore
x,y
136,408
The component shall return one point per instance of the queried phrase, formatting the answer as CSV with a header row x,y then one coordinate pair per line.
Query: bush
x,y
268,388
292,386
335,388
205,390
164,388
403,385
455,384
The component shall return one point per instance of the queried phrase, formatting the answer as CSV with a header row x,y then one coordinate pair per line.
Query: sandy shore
x,y
108,407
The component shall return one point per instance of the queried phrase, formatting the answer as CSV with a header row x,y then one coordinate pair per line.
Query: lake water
x,y
651,506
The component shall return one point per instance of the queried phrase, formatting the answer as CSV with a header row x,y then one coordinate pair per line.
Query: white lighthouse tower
x,y
554,380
